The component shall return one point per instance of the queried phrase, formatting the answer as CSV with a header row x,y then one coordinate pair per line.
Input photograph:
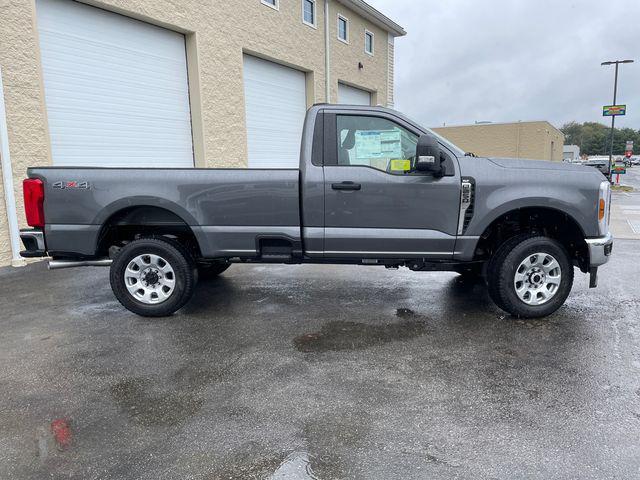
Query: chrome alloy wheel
x,y
537,279
150,279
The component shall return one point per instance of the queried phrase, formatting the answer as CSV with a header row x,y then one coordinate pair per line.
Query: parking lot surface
x,y
625,214
312,372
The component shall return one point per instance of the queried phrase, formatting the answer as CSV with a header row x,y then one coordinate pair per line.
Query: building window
x,y
309,12
368,42
271,3
343,29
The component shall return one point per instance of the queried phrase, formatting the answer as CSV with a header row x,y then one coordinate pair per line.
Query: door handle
x,y
346,186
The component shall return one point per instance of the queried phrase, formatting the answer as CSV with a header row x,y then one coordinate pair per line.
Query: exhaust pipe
x,y
60,264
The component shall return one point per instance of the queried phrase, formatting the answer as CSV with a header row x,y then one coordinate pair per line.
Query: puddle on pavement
x,y
253,462
323,453
296,466
333,439
340,335
240,470
151,408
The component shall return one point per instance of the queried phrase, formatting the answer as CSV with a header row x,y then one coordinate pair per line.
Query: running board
x,y
274,258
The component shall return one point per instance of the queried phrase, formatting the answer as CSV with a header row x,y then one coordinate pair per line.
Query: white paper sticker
x,y
378,144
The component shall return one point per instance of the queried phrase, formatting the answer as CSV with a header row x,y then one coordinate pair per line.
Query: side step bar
x,y
60,264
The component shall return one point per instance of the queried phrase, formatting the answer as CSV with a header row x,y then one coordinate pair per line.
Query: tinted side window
x,y
375,142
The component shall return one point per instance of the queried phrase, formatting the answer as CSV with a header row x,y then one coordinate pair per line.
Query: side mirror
x,y
428,155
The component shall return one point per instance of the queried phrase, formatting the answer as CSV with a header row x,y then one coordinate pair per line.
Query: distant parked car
x,y
635,160
602,165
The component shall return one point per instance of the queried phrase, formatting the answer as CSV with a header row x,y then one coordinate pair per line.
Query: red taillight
x,y
34,201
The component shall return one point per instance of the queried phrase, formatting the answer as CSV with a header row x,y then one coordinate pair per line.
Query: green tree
x,y
594,138
572,133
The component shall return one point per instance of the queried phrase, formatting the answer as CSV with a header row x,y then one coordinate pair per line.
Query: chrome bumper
x,y
599,250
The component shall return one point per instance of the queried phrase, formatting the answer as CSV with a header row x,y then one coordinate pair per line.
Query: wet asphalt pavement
x,y
311,372
625,214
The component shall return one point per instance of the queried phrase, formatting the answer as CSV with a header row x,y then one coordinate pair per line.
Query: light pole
x,y
613,117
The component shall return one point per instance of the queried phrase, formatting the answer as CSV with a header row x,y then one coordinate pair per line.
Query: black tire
x,y
212,270
492,284
173,253
502,268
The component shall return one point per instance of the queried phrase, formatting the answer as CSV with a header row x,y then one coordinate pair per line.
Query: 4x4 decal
x,y
72,184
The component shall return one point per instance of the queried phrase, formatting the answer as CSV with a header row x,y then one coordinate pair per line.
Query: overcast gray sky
x,y
506,60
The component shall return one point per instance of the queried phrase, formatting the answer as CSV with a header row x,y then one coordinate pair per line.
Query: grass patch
x,y
621,188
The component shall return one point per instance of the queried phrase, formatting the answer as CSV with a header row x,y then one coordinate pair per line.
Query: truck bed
x,y
234,204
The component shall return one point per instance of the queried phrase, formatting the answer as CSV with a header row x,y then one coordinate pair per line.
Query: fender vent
x,y
467,204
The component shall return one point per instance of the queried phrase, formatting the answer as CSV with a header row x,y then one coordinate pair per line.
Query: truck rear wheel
x,y
153,277
530,276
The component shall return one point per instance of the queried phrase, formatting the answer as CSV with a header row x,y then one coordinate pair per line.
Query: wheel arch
x,y
544,220
143,202
125,222
504,201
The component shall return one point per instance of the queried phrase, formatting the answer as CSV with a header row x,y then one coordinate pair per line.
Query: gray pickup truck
x,y
373,188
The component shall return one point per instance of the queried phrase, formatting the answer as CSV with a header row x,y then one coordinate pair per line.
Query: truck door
x,y
376,204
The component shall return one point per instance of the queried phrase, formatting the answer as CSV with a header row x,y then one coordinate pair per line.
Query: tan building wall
x,y
5,250
217,34
345,58
535,140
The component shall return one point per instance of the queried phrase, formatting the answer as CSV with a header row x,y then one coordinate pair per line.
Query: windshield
x,y
455,149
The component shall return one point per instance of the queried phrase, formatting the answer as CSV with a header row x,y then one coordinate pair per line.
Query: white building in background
x,y
570,152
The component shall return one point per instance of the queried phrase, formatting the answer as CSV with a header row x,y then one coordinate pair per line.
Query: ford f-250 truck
x,y
373,188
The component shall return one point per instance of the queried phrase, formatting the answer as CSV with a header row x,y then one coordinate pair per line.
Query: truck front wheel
x,y
530,276
153,277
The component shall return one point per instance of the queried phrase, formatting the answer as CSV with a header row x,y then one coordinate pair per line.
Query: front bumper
x,y
33,241
599,250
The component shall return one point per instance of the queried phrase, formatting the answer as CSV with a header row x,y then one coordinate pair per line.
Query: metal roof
x,y
365,10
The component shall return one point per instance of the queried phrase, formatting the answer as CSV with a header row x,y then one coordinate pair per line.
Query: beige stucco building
x,y
86,82
534,140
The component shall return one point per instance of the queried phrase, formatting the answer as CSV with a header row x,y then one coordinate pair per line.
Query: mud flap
x,y
593,277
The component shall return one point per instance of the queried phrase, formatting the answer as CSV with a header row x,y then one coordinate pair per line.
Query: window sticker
x,y
368,145
378,144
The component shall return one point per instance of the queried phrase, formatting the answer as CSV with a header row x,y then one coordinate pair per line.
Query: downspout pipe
x,y
327,54
7,182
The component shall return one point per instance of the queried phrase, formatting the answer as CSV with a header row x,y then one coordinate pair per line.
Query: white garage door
x,y
276,104
116,89
348,95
